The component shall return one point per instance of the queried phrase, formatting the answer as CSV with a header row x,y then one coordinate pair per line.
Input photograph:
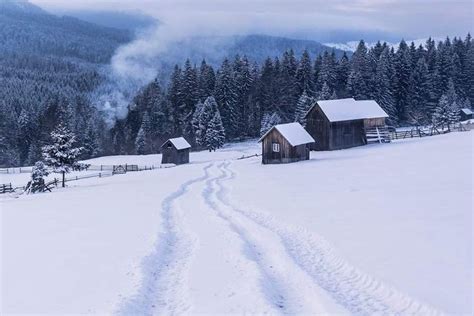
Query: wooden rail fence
x,y
106,171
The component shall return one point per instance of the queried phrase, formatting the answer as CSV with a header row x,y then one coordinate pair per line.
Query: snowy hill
x,y
367,230
352,45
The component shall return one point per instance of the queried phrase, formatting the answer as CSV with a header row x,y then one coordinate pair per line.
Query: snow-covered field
x,y
377,229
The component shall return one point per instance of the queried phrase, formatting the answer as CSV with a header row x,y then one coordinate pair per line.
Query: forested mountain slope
x,y
48,67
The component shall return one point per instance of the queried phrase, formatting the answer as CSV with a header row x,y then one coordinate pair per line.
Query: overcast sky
x,y
410,19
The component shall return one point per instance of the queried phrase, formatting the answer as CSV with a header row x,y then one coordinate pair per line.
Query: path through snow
x,y
214,257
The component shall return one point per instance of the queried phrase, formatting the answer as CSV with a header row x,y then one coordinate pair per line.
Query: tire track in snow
x,y
162,289
358,292
286,287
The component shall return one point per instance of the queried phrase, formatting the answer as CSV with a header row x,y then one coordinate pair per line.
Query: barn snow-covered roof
x,y
179,143
294,133
467,111
350,109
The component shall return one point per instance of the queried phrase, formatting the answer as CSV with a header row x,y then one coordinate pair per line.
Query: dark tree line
x,y
411,83
239,99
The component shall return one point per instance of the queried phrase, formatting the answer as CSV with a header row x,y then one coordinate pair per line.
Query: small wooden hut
x,y
175,150
285,143
345,123
465,114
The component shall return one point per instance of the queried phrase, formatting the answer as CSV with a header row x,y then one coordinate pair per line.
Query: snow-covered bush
x,y
37,183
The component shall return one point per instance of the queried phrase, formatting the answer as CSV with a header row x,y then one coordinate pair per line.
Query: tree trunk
x,y
64,179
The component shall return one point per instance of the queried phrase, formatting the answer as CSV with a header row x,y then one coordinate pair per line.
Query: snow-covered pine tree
x,y
243,82
418,94
175,97
402,64
384,86
37,183
91,143
140,142
342,74
304,74
443,115
61,156
220,131
268,121
358,80
302,107
215,134
447,111
195,122
226,97
207,80
325,93
327,73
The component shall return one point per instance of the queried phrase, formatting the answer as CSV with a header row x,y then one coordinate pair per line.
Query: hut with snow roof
x,y
465,114
285,143
345,123
175,150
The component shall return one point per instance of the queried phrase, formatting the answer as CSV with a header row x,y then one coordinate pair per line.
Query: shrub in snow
x,y
36,184
62,156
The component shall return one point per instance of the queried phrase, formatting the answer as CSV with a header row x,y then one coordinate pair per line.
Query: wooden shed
x,y
465,114
345,123
285,143
175,150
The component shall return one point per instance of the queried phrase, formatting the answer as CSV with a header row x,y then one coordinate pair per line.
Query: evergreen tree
x,y
325,93
61,156
384,86
226,97
446,113
207,80
175,97
304,74
302,107
37,183
91,144
202,118
327,73
243,84
196,123
342,75
402,65
268,121
358,80
140,142
419,93
215,133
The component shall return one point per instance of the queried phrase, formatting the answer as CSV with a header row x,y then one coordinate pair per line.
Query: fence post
x,y
100,167
100,175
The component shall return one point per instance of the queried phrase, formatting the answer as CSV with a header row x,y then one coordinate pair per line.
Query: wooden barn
x,y
285,143
175,150
345,123
465,114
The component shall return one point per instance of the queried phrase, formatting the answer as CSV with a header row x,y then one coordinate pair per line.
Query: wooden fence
x,y
106,171
430,130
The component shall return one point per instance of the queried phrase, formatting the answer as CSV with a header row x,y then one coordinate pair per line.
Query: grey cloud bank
x,y
300,18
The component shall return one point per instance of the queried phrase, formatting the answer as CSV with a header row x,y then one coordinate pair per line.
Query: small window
x,y
276,147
